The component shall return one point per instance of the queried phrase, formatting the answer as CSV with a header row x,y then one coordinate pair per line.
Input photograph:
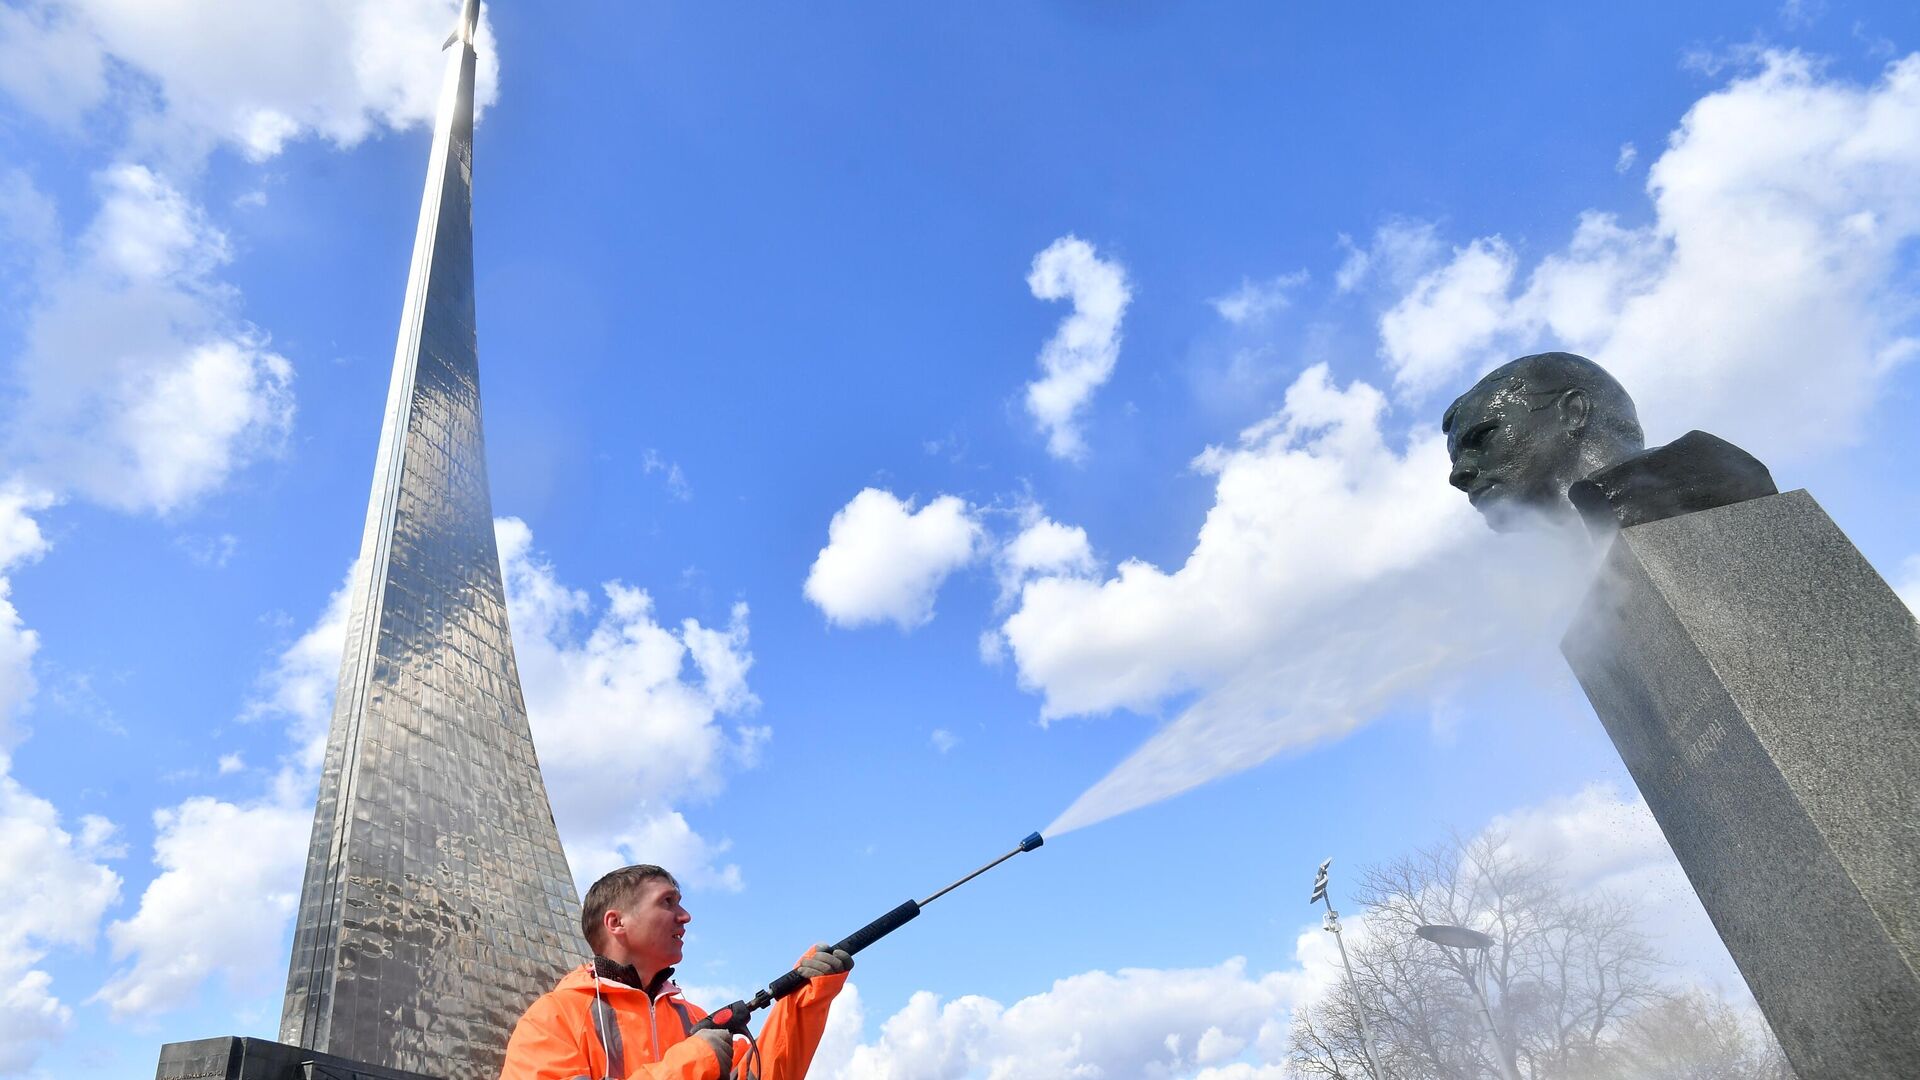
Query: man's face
x,y
652,926
1512,452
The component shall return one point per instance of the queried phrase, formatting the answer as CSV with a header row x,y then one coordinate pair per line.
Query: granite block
x,y
1762,684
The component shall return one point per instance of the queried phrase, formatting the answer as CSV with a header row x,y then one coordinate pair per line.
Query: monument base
x,y
235,1057
1762,684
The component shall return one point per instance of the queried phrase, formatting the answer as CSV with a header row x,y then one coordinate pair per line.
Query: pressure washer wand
x,y
734,1017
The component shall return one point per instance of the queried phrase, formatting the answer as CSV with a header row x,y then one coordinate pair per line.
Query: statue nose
x,y
1462,476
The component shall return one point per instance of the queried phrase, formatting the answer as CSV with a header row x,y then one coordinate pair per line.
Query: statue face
x,y
1516,452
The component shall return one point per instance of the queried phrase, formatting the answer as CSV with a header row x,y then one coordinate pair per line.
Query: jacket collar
x,y
628,975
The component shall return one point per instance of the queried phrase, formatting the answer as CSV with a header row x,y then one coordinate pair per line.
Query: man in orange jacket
x,y
621,1016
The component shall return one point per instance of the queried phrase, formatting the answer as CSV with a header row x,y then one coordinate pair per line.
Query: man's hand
x,y
721,1040
825,961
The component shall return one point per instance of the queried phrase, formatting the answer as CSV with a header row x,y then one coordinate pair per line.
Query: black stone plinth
x,y
1762,684
237,1058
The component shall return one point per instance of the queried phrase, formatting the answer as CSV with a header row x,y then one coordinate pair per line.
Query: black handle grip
x,y
852,943
880,927
732,1017
786,984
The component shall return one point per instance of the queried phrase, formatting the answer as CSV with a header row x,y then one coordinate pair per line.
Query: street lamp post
x,y
1474,944
1331,924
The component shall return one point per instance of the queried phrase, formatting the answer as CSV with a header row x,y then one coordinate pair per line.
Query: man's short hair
x,y
616,889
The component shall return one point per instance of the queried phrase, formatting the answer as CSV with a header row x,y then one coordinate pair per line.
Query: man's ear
x,y
610,920
1575,407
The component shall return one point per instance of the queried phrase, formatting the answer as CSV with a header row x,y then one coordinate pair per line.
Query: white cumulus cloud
x,y
250,75
1042,548
1079,358
1401,250
230,870
1048,547
50,62
1764,302
1255,300
666,839
609,698
20,542
1451,311
55,887
228,884
18,643
885,561
1309,603
31,1019
1134,1022
1606,841
138,387
299,688
1334,573
613,692
1262,556
55,891
1226,1022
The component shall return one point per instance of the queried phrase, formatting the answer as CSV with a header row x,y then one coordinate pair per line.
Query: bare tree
x,y
1571,984
1691,1035
1330,1048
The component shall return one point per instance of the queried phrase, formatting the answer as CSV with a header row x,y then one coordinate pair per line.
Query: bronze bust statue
x,y
1544,436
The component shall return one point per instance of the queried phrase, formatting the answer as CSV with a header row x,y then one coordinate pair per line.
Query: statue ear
x,y
1575,407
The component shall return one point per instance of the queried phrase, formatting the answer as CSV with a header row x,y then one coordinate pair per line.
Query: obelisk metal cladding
x,y
1762,684
437,901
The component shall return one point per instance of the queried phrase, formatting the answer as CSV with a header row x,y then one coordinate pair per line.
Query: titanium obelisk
x,y
437,902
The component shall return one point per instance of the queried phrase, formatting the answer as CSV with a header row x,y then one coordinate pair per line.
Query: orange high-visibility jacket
x,y
631,1036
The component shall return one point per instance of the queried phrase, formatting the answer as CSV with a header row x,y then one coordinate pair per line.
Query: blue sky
x,y
811,600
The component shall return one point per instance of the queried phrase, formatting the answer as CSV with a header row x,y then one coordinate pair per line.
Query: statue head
x,y
1530,428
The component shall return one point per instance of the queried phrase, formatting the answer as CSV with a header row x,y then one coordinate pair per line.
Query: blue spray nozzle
x,y
1031,842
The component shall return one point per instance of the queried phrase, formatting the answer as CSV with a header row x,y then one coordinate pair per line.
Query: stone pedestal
x,y
236,1058
1762,684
